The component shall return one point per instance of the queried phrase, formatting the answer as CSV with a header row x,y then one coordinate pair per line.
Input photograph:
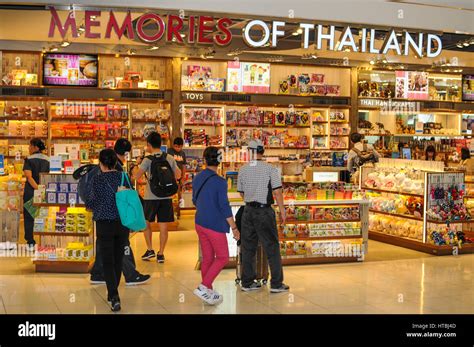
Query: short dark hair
x,y
211,156
38,143
154,139
178,141
108,158
356,137
465,153
122,146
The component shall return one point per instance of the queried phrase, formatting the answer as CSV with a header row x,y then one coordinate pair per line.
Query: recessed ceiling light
x,y
153,48
65,43
54,49
371,62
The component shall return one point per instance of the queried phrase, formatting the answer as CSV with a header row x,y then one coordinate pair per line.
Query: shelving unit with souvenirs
x,y
415,204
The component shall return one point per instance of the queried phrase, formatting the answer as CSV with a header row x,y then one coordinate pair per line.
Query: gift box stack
x,y
62,193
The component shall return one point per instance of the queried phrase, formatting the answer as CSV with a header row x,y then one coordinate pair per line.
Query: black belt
x,y
257,204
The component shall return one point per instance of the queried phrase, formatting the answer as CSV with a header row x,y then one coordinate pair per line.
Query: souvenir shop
x,y
84,78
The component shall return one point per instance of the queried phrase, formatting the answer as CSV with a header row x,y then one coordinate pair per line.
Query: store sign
x,y
193,96
209,30
389,104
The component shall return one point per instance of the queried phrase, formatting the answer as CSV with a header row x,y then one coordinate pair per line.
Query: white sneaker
x,y
206,295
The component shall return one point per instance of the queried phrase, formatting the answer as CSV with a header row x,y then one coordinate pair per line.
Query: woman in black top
x,y
111,234
35,163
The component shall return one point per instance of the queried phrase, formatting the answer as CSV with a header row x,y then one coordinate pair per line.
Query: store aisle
x,y
391,280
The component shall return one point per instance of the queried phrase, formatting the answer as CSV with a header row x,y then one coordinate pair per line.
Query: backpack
x,y
85,174
162,180
363,157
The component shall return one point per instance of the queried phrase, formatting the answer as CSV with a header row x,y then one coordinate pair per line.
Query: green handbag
x,y
130,207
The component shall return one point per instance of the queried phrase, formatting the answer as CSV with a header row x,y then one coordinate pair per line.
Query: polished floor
x,y
390,280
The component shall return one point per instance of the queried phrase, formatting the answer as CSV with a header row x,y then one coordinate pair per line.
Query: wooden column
x,y
176,121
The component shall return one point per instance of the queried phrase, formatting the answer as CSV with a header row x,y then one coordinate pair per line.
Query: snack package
x,y
302,230
289,231
302,213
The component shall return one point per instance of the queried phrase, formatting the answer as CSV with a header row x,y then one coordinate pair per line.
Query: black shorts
x,y
159,210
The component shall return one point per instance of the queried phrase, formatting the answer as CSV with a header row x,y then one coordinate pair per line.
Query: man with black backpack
x,y
162,174
360,154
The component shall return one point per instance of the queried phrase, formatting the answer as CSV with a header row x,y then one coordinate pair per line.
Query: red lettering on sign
x,y
204,28
226,36
192,28
146,18
89,23
120,31
175,24
56,22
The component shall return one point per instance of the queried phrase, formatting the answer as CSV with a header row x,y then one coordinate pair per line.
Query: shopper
x,y
35,164
111,234
361,153
213,220
132,276
430,153
467,163
156,208
178,154
256,182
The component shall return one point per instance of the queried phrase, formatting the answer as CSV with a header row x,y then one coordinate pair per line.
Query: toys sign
x,y
208,30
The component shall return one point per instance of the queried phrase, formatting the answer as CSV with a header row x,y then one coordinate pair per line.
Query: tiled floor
x,y
390,280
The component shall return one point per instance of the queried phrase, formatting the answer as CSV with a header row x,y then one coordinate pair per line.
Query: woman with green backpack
x,y
110,231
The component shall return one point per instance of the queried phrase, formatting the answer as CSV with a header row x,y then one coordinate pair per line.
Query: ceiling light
x,y
294,33
54,49
185,58
347,50
299,31
399,34
153,48
472,41
65,43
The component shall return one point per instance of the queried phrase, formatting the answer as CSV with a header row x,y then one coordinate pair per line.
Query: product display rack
x,y
395,227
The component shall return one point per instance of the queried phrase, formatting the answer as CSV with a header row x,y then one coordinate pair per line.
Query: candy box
x,y
62,198
290,248
328,214
300,248
302,230
313,230
289,192
282,248
87,252
311,193
302,213
51,197
64,187
289,231
71,228
83,228
290,213
301,192
317,213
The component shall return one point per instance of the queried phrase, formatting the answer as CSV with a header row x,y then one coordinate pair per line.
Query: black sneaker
x,y
149,254
253,286
97,279
160,258
140,279
115,305
280,289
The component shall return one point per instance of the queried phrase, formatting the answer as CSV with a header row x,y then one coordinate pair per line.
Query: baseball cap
x,y
254,144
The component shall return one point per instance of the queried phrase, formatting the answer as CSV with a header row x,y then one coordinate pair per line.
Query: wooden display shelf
x,y
267,148
85,138
55,119
339,149
23,119
268,126
322,221
320,238
407,216
62,266
286,260
339,135
319,135
44,204
450,222
392,192
47,233
26,137
203,125
339,121
418,245
147,121
319,121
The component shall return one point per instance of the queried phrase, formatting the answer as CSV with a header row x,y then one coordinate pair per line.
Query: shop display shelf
x,y
144,138
26,137
321,221
147,121
301,260
321,135
44,119
339,121
393,192
84,119
316,238
419,245
84,138
320,122
62,265
268,126
334,135
470,221
59,261
339,149
203,124
43,204
286,148
407,216
428,135
52,233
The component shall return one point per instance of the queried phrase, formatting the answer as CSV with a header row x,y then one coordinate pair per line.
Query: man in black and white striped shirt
x,y
257,182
